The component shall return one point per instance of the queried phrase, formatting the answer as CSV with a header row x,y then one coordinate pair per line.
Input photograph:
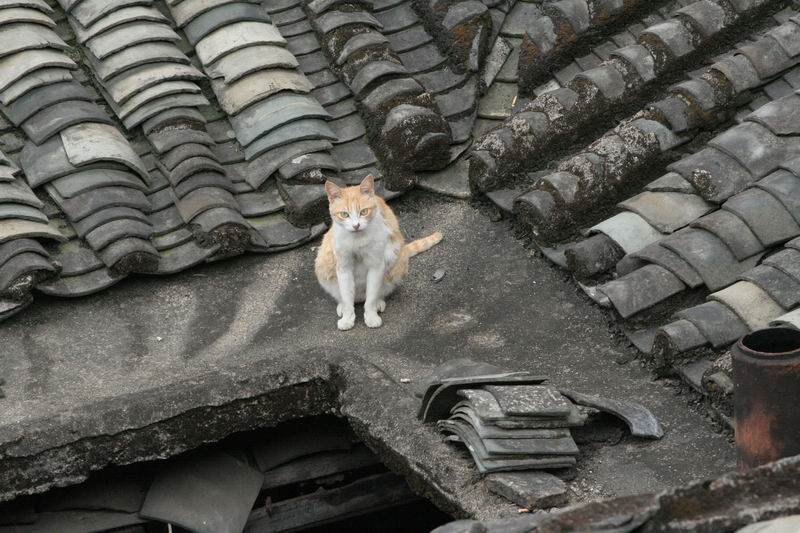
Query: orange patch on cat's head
x,y
352,203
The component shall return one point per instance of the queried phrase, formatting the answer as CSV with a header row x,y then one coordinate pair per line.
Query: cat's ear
x,y
368,185
333,190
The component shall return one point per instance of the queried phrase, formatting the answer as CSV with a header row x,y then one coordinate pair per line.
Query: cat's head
x,y
352,208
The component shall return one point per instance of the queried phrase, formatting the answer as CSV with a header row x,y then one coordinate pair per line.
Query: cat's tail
x,y
420,245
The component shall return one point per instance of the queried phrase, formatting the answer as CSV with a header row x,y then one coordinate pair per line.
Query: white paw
x,y
347,321
372,320
381,306
339,310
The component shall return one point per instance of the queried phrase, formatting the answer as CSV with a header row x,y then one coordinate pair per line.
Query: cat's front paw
x,y
339,310
347,321
372,320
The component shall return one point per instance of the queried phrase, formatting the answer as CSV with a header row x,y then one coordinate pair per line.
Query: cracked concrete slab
x,y
251,341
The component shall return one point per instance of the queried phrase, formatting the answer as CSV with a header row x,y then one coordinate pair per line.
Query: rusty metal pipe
x,y
766,372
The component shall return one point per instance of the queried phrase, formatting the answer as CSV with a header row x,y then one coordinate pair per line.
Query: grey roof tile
x,y
332,94
706,15
240,63
166,139
709,256
79,285
673,34
13,228
221,16
20,265
18,246
422,59
76,259
18,66
629,230
667,211
131,247
18,192
715,175
397,18
278,232
133,81
790,319
183,152
638,418
204,199
119,38
166,221
332,20
639,58
86,204
41,97
83,181
20,37
88,143
348,128
522,15
440,80
288,16
606,78
117,18
409,39
663,257
767,56
185,12
353,155
739,71
732,230
296,28
716,322
21,212
237,36
256,204
156,106
641,289
258,170
300,130
148,53
750,303
784,186
303,44
115,230
313,62
787,261
780,116
15,15
788,36
682,336
359,42
369,74
253,88
780,286
765,215
173,239
52,120
260,119
203,179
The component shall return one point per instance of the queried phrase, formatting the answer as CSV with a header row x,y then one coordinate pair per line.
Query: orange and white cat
x,y
363,256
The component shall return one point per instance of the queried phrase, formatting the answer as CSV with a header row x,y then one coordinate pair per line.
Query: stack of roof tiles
x,y
514,427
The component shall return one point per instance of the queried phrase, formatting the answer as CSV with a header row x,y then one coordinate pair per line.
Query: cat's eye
x,y
343,214
365,212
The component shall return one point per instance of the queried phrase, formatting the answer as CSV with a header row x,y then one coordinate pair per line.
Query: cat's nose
x,y
356,225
